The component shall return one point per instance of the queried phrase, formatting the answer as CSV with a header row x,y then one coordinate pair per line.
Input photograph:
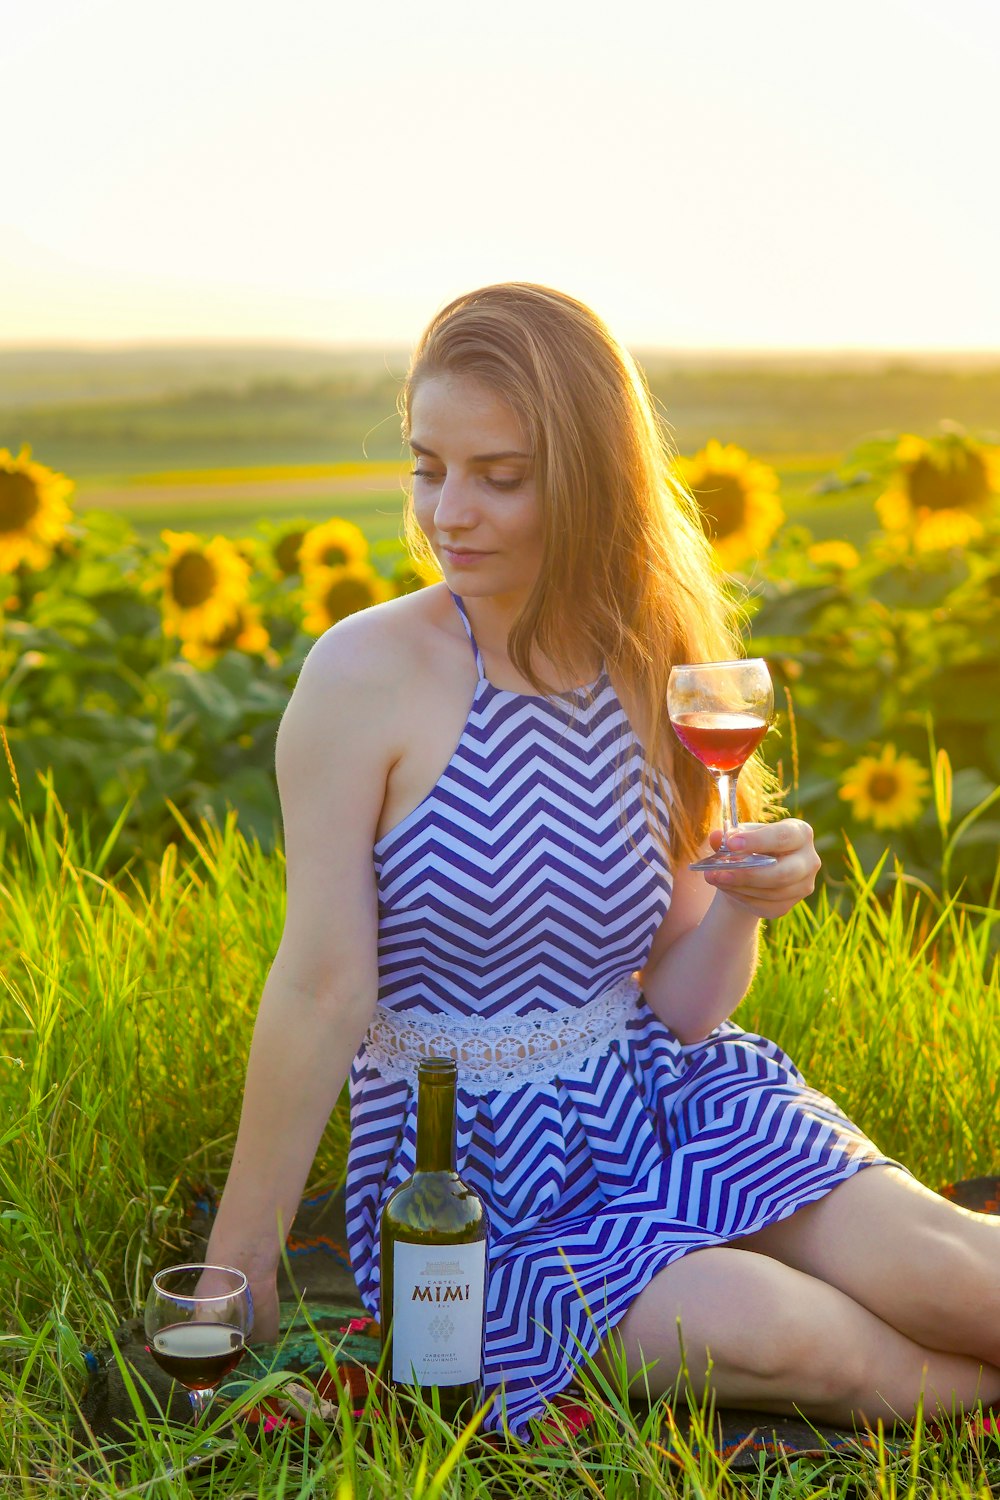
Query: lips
x,y
461,555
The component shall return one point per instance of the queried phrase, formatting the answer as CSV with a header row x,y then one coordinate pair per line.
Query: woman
x,y
480,857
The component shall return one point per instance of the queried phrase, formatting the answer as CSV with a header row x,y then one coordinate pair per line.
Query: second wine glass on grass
x,y
720,711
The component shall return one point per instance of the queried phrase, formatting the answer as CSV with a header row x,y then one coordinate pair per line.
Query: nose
x,y
455,509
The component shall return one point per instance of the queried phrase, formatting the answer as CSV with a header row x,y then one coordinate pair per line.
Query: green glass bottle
x,y
434,1261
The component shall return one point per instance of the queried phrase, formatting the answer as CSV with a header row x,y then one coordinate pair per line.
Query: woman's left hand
x,y
769,890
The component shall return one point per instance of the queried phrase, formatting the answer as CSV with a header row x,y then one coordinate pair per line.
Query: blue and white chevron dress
x,y
515,903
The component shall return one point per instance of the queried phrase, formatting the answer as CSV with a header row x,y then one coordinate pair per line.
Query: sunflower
x,y
243,633
33,511
333,593
941,489
333,544
737,497
888,790
203,584
285,550
840,556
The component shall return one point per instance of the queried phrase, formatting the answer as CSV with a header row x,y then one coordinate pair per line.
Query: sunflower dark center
x,y
334,556
227,637
346,596
957,483
18,500
883,787
192,580
723,504
286,552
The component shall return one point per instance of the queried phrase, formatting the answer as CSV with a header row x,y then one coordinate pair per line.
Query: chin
x,y
476,583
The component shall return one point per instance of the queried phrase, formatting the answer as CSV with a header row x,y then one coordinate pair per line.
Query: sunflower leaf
x,y
854,721
966,694
970,788
912,588
202,693
790,612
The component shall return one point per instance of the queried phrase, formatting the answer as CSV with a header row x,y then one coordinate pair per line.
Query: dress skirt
x,y
598,1176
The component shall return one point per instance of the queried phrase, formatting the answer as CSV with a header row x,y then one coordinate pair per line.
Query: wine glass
x,y
720,711
197,1321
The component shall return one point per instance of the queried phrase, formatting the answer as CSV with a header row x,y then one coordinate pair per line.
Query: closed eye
x,y
504,485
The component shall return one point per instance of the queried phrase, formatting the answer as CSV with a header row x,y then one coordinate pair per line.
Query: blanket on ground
x,y
319,1279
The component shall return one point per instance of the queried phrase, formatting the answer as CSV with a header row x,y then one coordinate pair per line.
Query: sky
x,y
739,174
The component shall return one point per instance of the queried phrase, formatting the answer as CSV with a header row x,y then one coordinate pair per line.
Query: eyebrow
x,y
477,458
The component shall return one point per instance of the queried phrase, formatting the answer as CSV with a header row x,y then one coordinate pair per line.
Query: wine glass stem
x,y
200,1402
726,783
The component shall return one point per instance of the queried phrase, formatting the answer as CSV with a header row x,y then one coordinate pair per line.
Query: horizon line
x,y
371,346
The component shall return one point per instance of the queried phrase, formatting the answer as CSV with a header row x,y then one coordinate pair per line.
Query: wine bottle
x,y
434,1261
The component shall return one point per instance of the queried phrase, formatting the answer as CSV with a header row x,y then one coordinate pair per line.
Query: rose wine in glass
x,y
197,1321
720,711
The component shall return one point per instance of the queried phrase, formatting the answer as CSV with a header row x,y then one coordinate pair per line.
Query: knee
x,y
781,1349
955,1303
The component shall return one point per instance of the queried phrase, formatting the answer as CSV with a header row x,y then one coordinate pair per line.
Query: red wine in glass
x,y
198,1354
197,1321
720,712
722,742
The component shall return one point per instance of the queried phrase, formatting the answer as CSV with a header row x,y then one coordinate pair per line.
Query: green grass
x,y
126,1009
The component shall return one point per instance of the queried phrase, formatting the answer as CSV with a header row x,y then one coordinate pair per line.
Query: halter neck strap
x,y
472,639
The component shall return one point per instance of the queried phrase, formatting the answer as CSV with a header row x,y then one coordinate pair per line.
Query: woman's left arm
x,y
704,955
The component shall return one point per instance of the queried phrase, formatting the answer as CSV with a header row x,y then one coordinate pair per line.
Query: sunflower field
x,y
143,683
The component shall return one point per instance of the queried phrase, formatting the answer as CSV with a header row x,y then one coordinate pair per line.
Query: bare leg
x,y
917,1261
780,1340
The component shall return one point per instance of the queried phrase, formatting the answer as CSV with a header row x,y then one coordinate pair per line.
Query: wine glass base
x,y
211,1453
733,862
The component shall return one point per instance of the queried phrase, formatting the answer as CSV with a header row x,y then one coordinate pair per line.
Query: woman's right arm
x,y
332,758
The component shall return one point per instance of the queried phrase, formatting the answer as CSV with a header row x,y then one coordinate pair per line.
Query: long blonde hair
x,y
627,575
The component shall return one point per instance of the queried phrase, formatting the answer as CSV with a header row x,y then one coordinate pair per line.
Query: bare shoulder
x,y
364,691
379,661
378,648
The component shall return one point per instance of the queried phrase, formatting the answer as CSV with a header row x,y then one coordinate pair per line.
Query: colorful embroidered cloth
x,y
321,1270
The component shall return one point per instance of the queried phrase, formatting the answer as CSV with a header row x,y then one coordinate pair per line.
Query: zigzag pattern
x,y
528,879
516,881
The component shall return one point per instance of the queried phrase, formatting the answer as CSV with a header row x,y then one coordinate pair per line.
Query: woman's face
x,y
474,489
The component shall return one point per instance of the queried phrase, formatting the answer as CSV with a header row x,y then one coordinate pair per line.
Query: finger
x,y
790,872
788,880
783,837
793,850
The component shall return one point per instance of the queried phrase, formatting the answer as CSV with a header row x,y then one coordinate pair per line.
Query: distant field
x,y
217,440
232,502
224,503
223,419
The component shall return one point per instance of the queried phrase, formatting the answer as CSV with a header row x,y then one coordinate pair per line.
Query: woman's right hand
x,y
264,1291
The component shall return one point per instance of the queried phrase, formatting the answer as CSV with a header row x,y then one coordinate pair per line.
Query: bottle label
x,y
437,1315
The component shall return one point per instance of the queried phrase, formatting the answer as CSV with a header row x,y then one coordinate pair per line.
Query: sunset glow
x,y
711,176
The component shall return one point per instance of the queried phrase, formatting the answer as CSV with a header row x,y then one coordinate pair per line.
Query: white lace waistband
x,y
501,1055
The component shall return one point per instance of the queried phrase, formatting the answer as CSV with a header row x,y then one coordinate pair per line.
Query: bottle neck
x,y
436,1126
